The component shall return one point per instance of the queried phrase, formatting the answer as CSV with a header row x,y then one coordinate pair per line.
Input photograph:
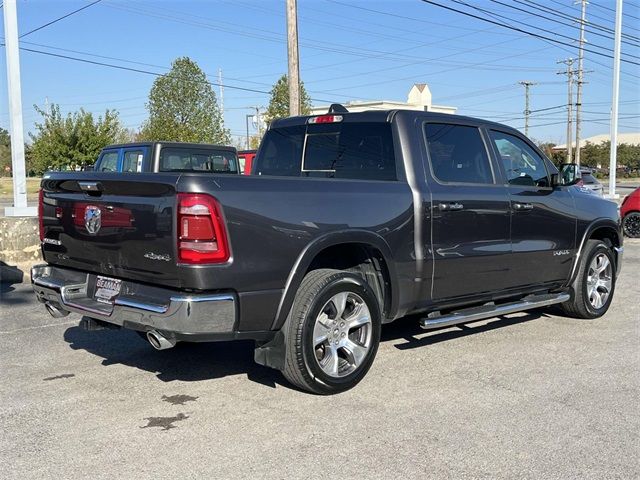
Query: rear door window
x,y
458,154
338,150
108,161
174,159
132,161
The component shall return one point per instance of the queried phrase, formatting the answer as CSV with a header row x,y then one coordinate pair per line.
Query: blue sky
x,y
349,50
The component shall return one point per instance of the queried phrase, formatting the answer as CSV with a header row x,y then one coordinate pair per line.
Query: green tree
x,y
5,153
61,142
557,158
279,102
183,108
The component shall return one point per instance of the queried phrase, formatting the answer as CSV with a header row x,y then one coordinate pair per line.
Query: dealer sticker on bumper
x,y
107,289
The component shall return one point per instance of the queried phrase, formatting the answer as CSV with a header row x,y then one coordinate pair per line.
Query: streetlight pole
x,y
615,98
247,117
18,170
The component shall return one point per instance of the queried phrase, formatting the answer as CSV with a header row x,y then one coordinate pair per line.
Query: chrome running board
x,y
483,312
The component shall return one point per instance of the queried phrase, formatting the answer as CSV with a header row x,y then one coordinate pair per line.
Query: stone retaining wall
x,y
19,240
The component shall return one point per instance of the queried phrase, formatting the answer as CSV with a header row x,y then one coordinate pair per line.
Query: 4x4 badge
x,y
92,219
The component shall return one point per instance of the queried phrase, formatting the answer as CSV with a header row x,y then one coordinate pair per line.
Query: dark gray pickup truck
x,y
349,221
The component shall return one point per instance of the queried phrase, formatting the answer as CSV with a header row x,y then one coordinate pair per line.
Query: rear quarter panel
x,y
272,220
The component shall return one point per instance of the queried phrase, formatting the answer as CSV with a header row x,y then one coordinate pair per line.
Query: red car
x,y
245,159
630,213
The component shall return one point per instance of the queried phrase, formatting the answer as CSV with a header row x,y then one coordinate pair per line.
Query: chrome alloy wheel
x,y
599,280
342,334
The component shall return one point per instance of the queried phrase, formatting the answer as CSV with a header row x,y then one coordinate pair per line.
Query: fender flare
x,y
592,227
310,252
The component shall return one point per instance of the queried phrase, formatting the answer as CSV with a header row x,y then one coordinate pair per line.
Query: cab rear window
x,y
196,160
338,150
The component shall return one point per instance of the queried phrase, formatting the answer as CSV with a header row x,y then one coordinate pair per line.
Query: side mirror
x,y
569,174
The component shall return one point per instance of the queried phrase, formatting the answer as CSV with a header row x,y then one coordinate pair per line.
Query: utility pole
x,y
615,97
569,73
527,111
293,59
580,82
221,86
18,170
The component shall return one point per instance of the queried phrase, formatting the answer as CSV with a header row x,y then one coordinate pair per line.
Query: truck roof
x,y
172,144
375,116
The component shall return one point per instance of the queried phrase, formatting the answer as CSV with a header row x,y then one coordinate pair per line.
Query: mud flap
x,y
272,353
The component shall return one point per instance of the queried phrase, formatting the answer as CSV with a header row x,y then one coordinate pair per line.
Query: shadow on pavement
x,y
191,362
409,329
187,362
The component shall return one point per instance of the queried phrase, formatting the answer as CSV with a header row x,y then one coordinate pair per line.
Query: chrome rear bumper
x,y
138,306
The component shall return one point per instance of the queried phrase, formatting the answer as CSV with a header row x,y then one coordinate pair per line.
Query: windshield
x,y
173,159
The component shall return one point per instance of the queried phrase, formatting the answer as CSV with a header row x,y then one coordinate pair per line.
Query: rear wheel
x,y
593,287
332,332
631,224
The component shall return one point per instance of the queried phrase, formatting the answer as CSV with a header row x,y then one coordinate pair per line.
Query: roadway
x,y
531,395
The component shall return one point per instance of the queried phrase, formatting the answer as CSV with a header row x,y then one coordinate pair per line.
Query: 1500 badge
x,y
557,253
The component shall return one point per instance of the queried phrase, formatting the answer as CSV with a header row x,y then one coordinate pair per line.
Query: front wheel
x,y
592,290
631,224
332,333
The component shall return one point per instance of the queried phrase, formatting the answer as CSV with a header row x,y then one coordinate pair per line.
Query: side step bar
x,y
483,312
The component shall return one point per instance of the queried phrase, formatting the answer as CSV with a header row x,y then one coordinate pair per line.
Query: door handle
x,y
522,206
451,206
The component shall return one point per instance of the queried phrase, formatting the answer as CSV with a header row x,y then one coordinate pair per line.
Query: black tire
x,y
302,367
579,306
631,224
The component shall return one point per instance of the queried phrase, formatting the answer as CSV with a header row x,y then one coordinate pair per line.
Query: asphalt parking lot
x,y
531,395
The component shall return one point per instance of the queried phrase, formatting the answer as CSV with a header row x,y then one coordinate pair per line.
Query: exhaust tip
x,y
55,310
159,341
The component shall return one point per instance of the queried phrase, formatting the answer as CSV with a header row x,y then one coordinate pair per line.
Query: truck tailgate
x,y
119,225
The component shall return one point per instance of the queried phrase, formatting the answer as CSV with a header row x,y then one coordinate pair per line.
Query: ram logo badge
x,y
92,219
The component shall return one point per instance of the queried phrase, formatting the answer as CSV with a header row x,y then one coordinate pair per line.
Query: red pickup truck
x,y
245,160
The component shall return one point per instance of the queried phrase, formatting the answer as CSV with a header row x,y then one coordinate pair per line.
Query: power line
x,y
59,18
554,20
571,39
595,16
603,7
526,32
553,11
146,72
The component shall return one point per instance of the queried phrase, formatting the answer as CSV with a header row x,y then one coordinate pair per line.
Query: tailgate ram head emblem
x,y
92,219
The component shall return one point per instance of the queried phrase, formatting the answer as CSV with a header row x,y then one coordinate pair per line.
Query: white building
x,y
419,98
623,138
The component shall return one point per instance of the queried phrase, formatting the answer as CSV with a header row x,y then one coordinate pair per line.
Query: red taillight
x,y
202,236
325,119
41,214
